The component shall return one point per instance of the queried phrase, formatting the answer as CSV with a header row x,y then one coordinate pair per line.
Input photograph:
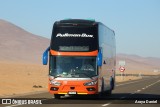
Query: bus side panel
x,y
107,43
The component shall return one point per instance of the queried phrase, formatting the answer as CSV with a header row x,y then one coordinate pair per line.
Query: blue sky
x,y
135,22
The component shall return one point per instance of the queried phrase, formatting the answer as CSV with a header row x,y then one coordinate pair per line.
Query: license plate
x,y
72,92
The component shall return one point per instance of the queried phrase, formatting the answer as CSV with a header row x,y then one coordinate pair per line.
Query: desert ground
x,y
21,78
24,78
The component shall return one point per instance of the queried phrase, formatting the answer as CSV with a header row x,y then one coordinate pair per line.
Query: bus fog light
x,y
54,88
91,89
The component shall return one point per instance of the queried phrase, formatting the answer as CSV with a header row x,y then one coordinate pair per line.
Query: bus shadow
x,y
117,98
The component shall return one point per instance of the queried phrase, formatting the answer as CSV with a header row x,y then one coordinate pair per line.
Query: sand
x,y
19,78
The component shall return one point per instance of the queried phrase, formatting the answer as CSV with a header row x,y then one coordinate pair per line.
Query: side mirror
x,y
45,56
99,58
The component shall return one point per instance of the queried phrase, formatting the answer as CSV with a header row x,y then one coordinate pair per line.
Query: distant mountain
x,y
16,44
138,63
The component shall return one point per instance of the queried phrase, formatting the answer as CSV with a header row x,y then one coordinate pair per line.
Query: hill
x,y
139,64
16,44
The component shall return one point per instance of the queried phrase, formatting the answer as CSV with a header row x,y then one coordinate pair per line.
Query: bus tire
x,y
112,83
101,94
57,96
109,92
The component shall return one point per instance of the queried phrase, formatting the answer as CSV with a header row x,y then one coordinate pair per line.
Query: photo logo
x,y
21,101
84,35
6,101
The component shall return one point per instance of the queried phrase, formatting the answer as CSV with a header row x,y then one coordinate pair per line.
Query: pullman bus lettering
x,y
73,35
82,53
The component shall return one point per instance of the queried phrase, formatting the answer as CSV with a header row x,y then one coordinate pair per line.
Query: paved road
x,y
146,90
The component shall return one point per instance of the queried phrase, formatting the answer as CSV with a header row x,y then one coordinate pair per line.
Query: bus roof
x,y
76,21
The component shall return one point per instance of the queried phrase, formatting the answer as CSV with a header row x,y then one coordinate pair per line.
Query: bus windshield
x,y
72,67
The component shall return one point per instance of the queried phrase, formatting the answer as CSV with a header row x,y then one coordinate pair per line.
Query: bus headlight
x,y
51,78
90,83
56,83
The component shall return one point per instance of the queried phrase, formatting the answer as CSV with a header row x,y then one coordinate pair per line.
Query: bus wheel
x,y
101,94
57,96
112,84
109,92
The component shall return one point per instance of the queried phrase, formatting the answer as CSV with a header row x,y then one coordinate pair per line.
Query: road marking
x,y
106,104
151,84
135,82
129,83
146,86
132,93
13,105
126,83
137,91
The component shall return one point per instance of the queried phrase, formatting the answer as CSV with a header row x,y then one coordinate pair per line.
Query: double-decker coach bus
x,y
82,58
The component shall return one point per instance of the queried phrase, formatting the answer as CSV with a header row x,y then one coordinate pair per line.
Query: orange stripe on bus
x,y
92,53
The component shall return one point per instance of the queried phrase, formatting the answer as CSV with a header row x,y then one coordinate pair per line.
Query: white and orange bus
x,y
82,58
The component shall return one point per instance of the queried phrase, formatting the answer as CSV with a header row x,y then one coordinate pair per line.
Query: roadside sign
x,y
122,63
122,69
